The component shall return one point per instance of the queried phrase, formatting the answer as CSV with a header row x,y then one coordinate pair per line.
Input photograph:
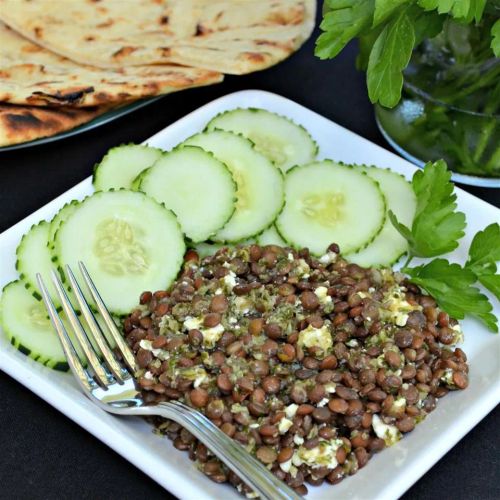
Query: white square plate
x,y
389,473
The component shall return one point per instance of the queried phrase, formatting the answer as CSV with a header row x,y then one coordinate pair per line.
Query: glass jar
x,y
450,105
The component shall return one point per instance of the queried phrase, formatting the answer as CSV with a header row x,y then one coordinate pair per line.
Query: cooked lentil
x,y
312,367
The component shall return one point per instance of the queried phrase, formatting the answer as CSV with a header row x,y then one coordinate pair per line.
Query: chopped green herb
x,y
436,229
437,226
484,253
451,286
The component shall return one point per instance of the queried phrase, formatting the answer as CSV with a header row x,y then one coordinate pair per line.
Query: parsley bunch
x,y
436,228
389,30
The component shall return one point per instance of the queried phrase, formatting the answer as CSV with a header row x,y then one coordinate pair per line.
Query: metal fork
x,y
110,384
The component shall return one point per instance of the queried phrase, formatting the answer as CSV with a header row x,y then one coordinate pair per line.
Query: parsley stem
x,y
408,260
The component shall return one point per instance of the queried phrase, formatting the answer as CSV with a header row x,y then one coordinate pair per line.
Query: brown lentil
x,y
266,455
261,363
199,398
271,384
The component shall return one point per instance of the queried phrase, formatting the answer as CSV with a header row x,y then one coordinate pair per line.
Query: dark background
x,y
45,455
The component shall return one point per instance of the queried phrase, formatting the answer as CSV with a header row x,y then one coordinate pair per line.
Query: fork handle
x,y
234,456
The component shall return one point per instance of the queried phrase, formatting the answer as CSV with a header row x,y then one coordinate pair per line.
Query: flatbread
x,y
31,74
27,123
230,36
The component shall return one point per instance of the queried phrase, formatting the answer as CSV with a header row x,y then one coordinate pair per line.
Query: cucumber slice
x,y
271,237
61,216
388,247
122,164
27,326
279,138
33,256
259,184
129,243
328,202
137,181
196,186
207,249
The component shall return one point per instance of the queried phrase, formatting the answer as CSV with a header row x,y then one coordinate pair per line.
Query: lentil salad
x,y
312,364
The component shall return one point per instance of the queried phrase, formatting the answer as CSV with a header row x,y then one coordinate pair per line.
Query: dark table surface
x,y
45,455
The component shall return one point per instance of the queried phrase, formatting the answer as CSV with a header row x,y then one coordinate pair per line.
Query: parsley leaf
x,y
466,10
492,283
457,8
495,41
343,20
451,286
425,24
484,253
389,56
437,226
384,9
476,10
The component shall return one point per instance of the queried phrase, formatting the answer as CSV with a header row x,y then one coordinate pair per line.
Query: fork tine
x,y
122,346
80,334
95,329
74,362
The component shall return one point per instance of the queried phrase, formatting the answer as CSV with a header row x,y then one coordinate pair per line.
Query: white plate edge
x,y
487,401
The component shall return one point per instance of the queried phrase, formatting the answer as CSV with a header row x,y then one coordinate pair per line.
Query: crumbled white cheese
x,y
191,323
389,433
323,455
395,308
303,269
147,346
322,293
459,335
316,337
328,258
148,375
291,410
298,440
352,343
230,280
330,387
285,466
399,403
226,265
323,402
284,425
197,374
447,377
210,335
290,256
243,305
218,291
200,377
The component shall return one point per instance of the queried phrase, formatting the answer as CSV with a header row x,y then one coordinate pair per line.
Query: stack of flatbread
x,y
64,62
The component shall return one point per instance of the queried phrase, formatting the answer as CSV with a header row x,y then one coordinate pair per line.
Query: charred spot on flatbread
x,y
22,120
70,97
26,123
